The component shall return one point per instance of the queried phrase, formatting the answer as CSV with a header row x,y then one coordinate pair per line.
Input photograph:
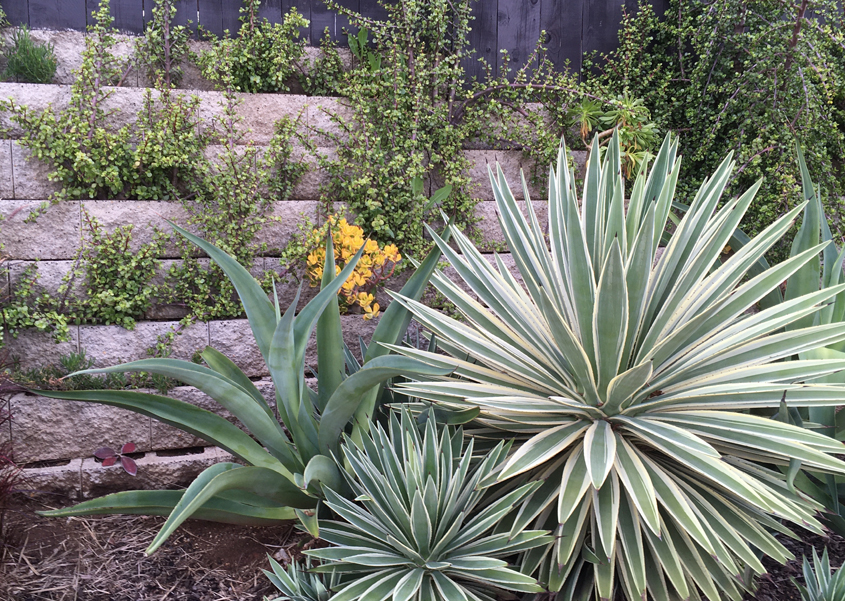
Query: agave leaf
x,y
241,508
331,366
227,393
185,416
226,476
225,367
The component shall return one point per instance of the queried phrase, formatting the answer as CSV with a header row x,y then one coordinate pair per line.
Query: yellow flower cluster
x,y
375,265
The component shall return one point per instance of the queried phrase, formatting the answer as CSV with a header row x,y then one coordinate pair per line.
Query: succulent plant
x,y
290,458
625,370
423,525
820,583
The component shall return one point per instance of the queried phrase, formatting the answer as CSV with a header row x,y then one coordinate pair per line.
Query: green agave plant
x,y
821,584
296,584
289,459
625,372
423,527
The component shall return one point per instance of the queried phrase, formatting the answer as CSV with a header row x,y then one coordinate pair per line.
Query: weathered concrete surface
x,y
45,428
51,276
31,175
321,119
111,345
7,186
56,482
284,220
146,217
34,349
155,471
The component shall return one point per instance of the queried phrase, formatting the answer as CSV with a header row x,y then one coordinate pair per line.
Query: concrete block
x,y
51,276
30,175
167,437
112,345
155,472
54,235
146,216
234,338
322,111
54,482
7,187
36,97
309,185
261,111
46,428
33,348
284,220
67,48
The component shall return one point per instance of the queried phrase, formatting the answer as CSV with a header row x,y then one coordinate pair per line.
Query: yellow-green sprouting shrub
x,y
92,158
164,46
750,81
28,308
263,55
27,61
324,77
413,112
116,276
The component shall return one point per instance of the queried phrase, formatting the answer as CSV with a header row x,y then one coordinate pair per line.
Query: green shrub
x,y
732,78
625,381
263,55
163,47
27,61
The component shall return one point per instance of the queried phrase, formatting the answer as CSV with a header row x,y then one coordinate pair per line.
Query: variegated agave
x,y
626,375
423,527
296,584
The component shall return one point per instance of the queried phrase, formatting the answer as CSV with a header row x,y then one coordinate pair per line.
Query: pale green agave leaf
x,y
628,379
421,527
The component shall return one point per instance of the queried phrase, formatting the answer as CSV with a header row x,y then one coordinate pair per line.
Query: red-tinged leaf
x,y
129,447
108,461
129,465
104,452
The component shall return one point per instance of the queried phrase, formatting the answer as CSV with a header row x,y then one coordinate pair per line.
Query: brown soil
x,y
102,559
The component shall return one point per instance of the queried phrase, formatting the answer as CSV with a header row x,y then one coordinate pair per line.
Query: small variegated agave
x,y
626,375
423,525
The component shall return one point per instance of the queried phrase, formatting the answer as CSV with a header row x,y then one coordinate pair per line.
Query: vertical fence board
x,y
321,17
373,10
271,10
519,29
128,15
211,15
303,7
186,13
483,38
342,21
601,25
231,10
17,11
561,20
57,14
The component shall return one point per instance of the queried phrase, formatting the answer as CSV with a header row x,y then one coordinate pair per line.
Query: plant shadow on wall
x,y
747,77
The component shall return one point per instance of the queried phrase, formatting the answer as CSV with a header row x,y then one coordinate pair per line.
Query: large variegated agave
x,y
626,375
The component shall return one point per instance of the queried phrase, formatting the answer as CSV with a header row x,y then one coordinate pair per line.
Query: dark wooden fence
x,y
574,27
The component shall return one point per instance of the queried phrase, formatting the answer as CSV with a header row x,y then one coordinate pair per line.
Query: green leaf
x,y
331,366
599,451
226,476
241,508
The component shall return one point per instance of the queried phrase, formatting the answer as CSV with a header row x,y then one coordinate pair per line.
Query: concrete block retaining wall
x,y
57,438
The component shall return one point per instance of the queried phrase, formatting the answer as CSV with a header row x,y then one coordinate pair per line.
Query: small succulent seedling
x,y
109,457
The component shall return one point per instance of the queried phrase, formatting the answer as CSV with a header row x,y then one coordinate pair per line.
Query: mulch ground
x,y
102,559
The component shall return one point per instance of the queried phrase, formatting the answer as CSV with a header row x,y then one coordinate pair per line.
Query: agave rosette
x,y
423,527
625,372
